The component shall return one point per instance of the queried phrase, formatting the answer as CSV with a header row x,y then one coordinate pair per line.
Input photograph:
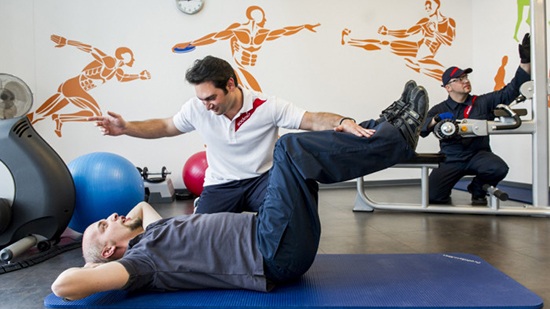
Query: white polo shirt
x,y
243,147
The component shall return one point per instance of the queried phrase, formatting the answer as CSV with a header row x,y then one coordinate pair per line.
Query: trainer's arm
x,y
329,121
77,283
526,67
152,128
113,124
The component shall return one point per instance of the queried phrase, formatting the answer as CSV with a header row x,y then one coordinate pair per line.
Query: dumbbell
x,y
145,174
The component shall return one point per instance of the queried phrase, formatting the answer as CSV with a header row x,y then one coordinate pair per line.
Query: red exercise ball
x,y
193,172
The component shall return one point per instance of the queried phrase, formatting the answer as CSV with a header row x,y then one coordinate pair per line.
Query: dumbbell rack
x,y
159,189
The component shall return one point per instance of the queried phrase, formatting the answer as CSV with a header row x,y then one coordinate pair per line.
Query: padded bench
x,y
424,159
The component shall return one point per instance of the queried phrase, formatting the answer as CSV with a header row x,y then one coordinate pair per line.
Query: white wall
x,y
312,70
491,44
495,40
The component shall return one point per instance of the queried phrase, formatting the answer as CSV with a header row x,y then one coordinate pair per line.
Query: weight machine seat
x,y
426,158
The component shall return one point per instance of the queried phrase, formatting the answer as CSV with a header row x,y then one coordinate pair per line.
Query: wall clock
x,y
190,6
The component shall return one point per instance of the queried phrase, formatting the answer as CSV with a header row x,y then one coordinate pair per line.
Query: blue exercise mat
x,y
433,280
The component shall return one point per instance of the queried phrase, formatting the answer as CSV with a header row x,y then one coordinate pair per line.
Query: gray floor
x,y
518,246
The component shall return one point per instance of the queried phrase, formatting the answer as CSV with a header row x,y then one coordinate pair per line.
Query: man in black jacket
x,y
471,155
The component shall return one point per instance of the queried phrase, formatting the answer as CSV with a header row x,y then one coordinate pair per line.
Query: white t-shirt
x,y
243,147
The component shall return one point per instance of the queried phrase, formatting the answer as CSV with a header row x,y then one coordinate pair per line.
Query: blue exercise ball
x,y
105,183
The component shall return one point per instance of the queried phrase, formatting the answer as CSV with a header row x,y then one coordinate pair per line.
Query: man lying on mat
x,y
142,251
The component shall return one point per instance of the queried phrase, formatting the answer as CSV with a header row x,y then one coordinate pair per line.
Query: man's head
x,y
211,69
216,86
456,80
107,239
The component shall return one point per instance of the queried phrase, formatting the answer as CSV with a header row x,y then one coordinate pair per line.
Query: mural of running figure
x,y
246,41
433,32
74,91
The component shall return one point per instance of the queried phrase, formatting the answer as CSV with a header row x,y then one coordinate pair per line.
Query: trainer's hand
x,y
525,49
444,116
113,124
349,126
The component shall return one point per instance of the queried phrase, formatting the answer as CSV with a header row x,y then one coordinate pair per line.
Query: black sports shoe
x,y
407,90
479,201
398,106
412,118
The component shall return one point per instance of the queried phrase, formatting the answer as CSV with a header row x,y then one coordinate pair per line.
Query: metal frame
x,y
539,71
537,127
364,203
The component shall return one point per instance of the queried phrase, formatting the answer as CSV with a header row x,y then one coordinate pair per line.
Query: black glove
x,y
525,49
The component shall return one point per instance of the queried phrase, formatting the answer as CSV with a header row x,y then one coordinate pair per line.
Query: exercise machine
x,y
509,122
42,202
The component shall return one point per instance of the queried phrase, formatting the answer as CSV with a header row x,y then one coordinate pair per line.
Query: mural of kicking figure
x,y
246,40
419,54
75,90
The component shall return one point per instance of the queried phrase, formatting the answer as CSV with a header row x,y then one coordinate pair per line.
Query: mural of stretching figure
x,y
424,40
246,40
75,90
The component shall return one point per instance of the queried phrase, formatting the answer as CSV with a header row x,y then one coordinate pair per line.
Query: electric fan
x,y
44,194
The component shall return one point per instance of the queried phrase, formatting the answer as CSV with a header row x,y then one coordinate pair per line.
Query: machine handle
x,y
501,195
514,115
17,248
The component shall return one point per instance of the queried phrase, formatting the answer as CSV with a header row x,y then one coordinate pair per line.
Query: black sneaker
x,y
412,118
398,106
479,201
407,90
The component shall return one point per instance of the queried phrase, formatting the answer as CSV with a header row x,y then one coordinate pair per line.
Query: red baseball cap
x,y
453,72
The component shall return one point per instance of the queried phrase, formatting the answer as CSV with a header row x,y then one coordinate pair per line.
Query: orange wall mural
x,y
246,40
74,91
419,55
501,75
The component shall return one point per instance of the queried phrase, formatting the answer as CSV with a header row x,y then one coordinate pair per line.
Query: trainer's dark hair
x,y
211,69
